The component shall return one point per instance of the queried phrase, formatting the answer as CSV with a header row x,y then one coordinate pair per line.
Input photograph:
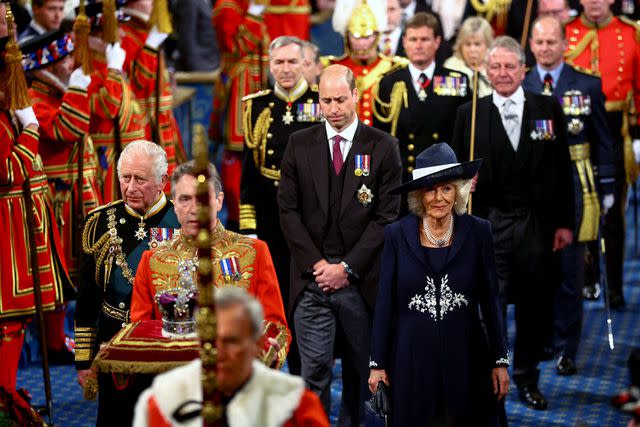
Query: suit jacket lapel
x,y
565,81
359,146
535,81
318,160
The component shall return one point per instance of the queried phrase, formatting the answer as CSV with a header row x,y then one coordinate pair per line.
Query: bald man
x,y
334,205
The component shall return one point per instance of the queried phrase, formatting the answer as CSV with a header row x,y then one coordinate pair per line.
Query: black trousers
x,y
568,301
525,267
318,317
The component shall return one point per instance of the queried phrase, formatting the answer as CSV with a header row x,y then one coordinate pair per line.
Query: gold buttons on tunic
x,y
410,169
410,147
411,158
367,121
121,305
435,135
269,136
411,136
270,152
276,183
271,105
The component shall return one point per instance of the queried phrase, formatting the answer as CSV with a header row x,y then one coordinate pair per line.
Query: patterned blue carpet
x,y
581,400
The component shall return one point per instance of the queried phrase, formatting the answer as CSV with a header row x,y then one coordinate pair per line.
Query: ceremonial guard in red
x,y
19,161
62,107
367,64
147,73
609,47
244,44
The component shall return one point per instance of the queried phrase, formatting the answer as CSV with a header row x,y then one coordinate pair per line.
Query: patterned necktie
x,y
337,154
510,122
423,80
548,84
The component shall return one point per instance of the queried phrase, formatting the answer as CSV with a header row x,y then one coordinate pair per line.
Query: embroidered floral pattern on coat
x,y
429,301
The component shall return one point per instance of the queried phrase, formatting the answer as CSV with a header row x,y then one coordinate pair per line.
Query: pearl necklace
x,y
432,239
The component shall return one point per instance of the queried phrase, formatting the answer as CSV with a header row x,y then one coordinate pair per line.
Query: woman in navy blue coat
x,y
438,337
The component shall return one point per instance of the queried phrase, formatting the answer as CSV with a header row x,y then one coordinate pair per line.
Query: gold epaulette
x,y
102,207
634,24
255,134
256,94
389,111
585,70
330,59
397,63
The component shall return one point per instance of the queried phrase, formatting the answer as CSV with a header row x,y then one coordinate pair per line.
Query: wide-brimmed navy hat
x,y
435,165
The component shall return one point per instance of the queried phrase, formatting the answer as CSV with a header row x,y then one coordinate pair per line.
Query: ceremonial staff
x,y
16,99
212,408
527,22
81,29
472,142
162,20
604,281
110,35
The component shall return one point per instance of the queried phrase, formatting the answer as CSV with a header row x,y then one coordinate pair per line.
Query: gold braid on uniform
x,y
390,111
591,38
278,332
101,247
255,135
492,8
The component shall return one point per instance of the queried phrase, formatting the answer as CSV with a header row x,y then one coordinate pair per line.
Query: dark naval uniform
x,y
422,118
270,116
113,240
591,151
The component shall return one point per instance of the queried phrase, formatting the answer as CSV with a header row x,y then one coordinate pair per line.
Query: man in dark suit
x,y
417,103
334,204
524,189
590,145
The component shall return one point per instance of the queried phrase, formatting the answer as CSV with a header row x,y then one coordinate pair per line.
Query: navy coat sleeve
x,y
488,297
384,319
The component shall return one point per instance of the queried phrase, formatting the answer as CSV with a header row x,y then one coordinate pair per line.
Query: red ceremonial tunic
x,y
141,67
18,160
64,121
158,271
110,96
288,18
367,78
244,52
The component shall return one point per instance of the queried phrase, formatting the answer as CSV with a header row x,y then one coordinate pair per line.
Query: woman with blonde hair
x,y
470,50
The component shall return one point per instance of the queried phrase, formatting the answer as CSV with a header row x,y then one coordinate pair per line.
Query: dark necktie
x,y
548,84
337,154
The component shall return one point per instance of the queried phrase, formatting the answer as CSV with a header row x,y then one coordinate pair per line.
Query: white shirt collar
x,y
517,97
135,13
410,10
39,28
415,71
347,133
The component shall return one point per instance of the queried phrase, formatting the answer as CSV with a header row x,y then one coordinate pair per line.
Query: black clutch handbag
x,y
379,406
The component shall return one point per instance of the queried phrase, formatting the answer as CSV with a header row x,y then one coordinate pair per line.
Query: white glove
x,y
607,202
155,38
256,9
115,56
636,149
79,79
27,117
